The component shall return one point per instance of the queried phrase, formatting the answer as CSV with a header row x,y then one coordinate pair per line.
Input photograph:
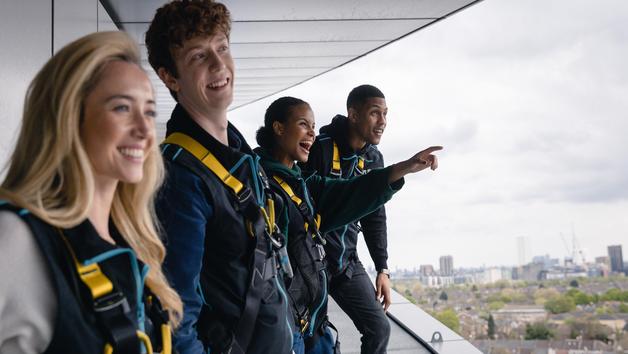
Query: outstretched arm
x,y
416,163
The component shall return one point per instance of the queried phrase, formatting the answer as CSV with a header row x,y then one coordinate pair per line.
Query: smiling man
x,y
347,148
215,204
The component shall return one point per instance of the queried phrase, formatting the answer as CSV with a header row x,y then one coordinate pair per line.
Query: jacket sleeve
x,y
28,301
183,211
374,228
375,235
342,201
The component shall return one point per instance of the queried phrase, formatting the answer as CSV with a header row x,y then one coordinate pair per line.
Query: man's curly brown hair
x,y
181,20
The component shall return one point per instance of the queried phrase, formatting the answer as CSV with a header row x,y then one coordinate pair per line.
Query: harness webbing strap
x,y
361,163
335,163
206,157
336,170
316,220
110,307
286,187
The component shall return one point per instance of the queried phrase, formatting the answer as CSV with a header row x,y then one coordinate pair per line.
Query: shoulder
x,y
374,157
28,303
15,235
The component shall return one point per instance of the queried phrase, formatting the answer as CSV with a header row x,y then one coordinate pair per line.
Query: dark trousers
x,y
354,293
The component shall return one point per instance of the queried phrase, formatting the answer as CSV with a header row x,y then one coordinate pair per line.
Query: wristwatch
x,y
384,271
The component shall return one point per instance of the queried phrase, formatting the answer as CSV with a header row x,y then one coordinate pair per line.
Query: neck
x,y
355,141
213,122
283,158
100,208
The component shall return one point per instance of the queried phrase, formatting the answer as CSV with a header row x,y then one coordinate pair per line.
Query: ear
x,y
168,79
352,114
278,128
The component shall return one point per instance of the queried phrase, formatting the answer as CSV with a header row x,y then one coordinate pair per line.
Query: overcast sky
x,y
530,100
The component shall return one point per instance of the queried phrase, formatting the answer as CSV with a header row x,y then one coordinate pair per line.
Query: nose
x,y
382,119
216,62
143,126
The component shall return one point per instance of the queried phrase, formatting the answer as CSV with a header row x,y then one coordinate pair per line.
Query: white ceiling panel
x,y
277,44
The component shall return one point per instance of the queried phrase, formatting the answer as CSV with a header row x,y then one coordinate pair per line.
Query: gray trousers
x,y
354,293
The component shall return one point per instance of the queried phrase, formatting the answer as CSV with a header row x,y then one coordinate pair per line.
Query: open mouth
x,y
306,145
379,131
219,84
132,153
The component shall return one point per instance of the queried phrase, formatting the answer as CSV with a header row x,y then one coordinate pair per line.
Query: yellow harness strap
x,y
361,163
206,157
286,187
91,275
99,285
335,164
210,161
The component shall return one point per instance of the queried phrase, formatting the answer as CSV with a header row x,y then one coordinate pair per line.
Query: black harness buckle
x,y
111,301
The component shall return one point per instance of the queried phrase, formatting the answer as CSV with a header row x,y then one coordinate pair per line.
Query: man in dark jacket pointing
x,y
344,149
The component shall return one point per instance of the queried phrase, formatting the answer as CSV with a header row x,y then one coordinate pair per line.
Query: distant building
x,y
426,270
522,313
491,275
446,265
531,272
563,273
603,260
546,261
617,260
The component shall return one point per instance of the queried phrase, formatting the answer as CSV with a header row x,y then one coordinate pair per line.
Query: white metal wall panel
x,y
25,48
29,32
73,19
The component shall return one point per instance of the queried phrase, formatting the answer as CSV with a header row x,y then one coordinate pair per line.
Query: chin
x,y
375,141
132,178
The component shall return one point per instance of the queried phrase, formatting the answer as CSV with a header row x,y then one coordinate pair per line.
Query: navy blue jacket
x,y
209,250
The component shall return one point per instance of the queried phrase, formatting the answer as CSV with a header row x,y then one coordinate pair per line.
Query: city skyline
x,y
528,99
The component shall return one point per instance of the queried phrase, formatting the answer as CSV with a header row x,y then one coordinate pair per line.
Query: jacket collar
x,y
338,130
180,121
273,166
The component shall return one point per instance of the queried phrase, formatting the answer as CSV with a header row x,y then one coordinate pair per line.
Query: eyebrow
x,y
125,97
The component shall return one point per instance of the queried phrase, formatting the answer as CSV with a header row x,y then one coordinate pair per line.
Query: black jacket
x,y
341,245
209,250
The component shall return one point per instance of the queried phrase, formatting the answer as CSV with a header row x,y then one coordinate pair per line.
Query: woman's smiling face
x,y
118,126
296,136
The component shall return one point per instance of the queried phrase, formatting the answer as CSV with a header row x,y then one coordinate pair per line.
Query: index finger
x,y
431,149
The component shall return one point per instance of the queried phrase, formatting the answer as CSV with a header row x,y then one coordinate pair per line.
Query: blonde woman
x,y
80,258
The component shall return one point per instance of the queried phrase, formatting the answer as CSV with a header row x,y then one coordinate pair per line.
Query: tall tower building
x,y
617,260
446,265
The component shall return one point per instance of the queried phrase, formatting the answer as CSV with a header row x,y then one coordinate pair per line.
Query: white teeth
x,y
134,153
218,83
379,131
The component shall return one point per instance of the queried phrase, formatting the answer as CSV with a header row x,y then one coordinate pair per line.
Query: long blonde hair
x,y
49,172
